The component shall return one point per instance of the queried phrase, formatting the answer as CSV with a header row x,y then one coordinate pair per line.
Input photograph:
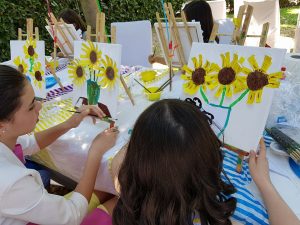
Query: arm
x,y
47,137
101,143
279,212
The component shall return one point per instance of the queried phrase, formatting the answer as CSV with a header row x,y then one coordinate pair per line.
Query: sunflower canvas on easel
x,y
29,58
236,84
95,74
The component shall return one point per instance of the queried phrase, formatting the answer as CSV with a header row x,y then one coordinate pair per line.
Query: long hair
x,y
172,170
71,17
12,83
199,10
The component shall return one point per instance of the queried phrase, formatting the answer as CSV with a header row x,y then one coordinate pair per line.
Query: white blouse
x,y
23,197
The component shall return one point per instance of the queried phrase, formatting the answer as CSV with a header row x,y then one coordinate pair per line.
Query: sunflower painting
x,y
108,72
197,78
29,58
258,78
95,72
77,72
91,56
230,79
21,64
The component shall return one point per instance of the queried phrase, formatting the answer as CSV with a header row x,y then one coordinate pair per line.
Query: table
x,y
69,152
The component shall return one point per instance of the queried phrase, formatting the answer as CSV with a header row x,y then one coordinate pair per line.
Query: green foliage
x,y
13,14
131,10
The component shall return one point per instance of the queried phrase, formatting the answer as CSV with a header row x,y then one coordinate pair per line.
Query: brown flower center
x,y
198,76
110,73
256,80
226,75
21,68
93,57
38,76
30,50
79,71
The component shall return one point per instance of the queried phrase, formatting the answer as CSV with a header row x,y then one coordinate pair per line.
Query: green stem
x,y
239,98
203,95
223,96
31,61
226,123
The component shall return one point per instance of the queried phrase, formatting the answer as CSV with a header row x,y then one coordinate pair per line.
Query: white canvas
x,y
108,96
36,72
196,33
136,40
67,33
246,121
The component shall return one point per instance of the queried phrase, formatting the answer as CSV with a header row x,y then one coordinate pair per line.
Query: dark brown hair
x,y
71,17
172,170
199,10
12,83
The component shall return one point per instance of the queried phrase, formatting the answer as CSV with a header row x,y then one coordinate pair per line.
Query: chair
x,y
263,11
218,8
136,40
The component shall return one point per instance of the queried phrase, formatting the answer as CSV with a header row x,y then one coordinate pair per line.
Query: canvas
x,y
29,58
236,85
95,74
196,33
66,35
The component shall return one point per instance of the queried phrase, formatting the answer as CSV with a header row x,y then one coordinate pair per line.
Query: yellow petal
x,y
185,77
251,97
196,65
259,96
187,69
278,75
253,62
266,63
219,91
200,60
228,91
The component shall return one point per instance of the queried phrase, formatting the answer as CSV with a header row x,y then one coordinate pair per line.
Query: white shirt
x,y
23,197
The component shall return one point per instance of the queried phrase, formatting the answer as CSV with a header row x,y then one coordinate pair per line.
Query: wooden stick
x,y
143,86
29,27
19,34
126,89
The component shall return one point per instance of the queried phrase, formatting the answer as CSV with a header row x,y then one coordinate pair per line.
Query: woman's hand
x,y
104,141
85,110
259,166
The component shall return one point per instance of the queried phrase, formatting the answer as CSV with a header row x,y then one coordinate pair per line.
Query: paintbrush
x,y
143,86
105,119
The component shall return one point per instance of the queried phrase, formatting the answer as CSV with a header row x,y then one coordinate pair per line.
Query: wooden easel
x,y
29,30
100,35
174,33
56,28
240,29
242,23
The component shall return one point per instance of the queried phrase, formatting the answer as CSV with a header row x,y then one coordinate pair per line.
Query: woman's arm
x,y
48,136
279,212
100,145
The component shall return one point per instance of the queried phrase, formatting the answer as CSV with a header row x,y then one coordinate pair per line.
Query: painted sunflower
x,y
20,63
77,72
228,79
91,56
197,77
108,73
37,75
258,78
29,49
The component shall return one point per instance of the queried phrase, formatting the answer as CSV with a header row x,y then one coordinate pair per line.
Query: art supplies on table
x,y
289,138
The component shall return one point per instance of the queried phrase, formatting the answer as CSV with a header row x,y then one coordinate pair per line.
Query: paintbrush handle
x,y
143,86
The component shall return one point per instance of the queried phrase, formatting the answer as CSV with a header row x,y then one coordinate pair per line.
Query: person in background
x,y
23,198
198,11
69,16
